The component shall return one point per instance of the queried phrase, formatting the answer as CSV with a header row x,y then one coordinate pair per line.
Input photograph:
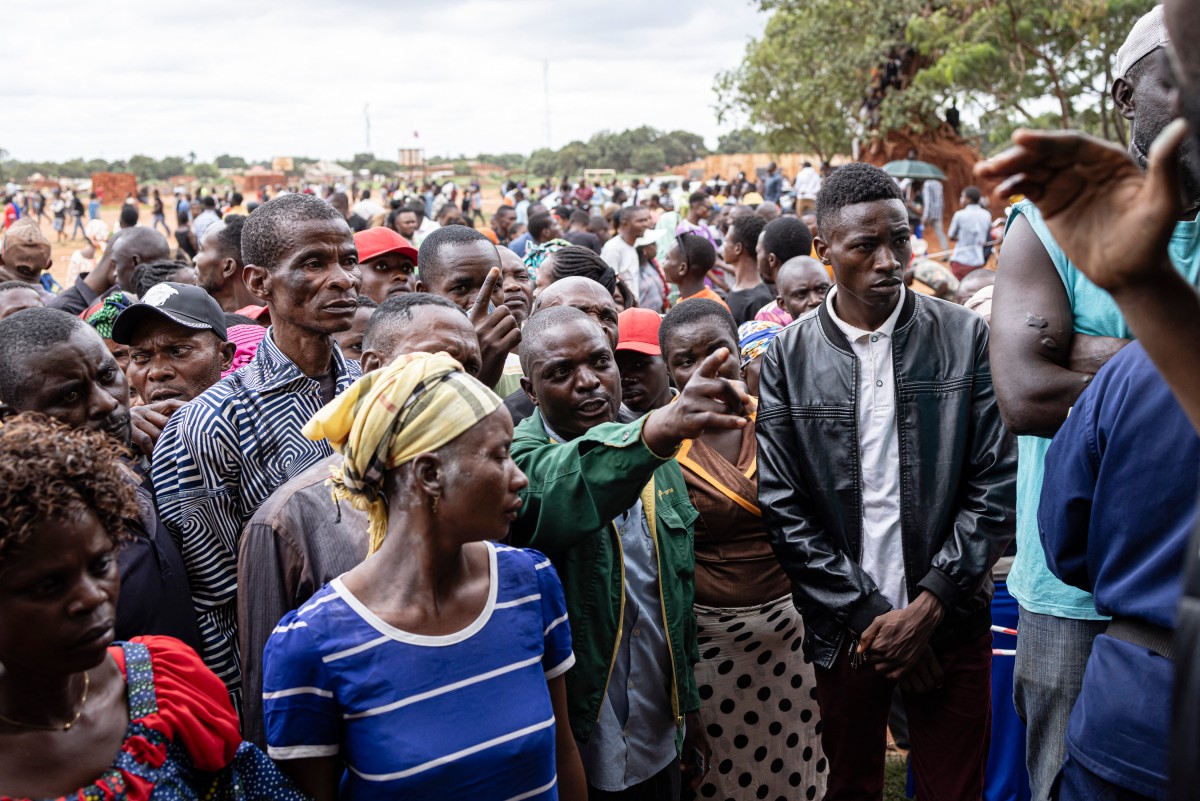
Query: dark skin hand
x,y
1095,198
896,640
498,332
149,421
925,675
707,403
694,740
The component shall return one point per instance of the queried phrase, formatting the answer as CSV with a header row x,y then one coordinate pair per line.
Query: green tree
x,y
1001,59
228,162
171,166
205,172
648,158
741,140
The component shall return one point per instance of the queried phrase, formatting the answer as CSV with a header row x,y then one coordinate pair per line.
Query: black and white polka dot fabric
x,y
758,705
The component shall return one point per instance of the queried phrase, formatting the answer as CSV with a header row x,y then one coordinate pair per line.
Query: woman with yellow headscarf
x,y
436,667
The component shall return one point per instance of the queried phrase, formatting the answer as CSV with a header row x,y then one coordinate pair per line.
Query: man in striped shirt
x,y
223,454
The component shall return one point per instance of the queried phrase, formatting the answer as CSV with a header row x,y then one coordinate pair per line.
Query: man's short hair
x,y
429,257
693,311
579,217
268,232
577,260
697,197
399,311
416,207
545,320
9,286
746,230
697,251
156,272
850,185
237,199
209,202
973,194
503,209
786,237
230,234
23,336
540,224
129,215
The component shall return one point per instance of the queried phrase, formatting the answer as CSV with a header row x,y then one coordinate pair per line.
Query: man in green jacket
x,y
607,504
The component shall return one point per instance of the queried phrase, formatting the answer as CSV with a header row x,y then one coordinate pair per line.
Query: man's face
x,y
635,222
672,263
1154,108
406,224
351,340
574,379
314,286
869,246
802,288
689,345
553,232
645,385
503,221
730,250
433,329
515,289
590,298
766,268
211,259
386,275
137,246
464,269
14,300
701,210
79,383
168,361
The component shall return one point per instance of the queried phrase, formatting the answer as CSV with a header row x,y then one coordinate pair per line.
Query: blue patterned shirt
x,y
219,458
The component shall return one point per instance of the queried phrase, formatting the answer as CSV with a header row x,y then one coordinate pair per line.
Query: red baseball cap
x,y
375,242
638,331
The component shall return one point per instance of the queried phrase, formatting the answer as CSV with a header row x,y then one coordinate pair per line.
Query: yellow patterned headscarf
x,y
415,405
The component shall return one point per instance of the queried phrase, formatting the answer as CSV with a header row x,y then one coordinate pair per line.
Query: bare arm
x,y
572,786
1040,366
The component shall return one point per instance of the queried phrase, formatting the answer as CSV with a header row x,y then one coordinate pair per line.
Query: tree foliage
x,y
805,83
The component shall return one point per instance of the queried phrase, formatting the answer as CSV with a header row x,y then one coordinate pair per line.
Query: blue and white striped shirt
x,y
219,458
464,715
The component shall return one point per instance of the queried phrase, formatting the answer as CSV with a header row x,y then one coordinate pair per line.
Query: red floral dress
x,y
183,741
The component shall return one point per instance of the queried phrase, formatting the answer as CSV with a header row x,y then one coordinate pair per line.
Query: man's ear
x,y
822,249
228,268
370,361
228,349
1122,95
49,264
258,281
527,385
420,286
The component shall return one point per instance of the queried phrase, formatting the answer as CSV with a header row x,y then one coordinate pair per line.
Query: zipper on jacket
x,y
620,623
662,601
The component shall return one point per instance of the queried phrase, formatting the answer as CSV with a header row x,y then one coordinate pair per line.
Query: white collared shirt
x,y
878,453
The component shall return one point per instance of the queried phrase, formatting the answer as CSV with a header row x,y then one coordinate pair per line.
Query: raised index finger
x,y
480,308
712,363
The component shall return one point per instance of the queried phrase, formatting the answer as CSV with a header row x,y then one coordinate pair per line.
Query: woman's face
x,y
481,481
58,597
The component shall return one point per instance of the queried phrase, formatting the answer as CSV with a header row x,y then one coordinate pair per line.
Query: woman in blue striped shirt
x,y
436,667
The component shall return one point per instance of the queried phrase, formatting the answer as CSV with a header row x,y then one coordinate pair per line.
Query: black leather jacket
x,y
957,471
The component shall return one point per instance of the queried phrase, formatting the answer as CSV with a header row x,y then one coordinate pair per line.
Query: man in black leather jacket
x,y
887,486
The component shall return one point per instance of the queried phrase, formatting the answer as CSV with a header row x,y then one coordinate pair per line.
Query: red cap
x,y
638,331
374,242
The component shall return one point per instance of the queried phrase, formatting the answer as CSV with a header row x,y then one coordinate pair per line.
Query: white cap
x,y
1148,34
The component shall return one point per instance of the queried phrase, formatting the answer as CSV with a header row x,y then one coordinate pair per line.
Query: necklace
x,y
87,680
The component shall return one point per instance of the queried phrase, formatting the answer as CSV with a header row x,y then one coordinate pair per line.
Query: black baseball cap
x,y
185,304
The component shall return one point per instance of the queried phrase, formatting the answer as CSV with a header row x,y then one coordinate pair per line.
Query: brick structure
x,y
115,186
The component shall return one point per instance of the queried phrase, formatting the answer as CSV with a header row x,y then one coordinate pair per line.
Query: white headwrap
x,y
1149,33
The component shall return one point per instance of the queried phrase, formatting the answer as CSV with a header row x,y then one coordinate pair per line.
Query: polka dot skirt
x,y
758,705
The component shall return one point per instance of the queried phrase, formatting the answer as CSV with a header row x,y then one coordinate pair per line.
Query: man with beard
x,y
54,363
1053,329
219,266
224,453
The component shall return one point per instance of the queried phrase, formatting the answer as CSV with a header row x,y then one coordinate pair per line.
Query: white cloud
x,y
262,79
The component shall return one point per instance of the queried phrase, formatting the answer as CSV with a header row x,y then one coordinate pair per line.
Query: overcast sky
x,y
262,79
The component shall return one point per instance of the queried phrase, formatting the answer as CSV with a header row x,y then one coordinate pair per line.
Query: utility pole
x,y
546,98
367,116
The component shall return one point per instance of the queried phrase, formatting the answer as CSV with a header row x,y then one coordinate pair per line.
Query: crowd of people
x,y
625,494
